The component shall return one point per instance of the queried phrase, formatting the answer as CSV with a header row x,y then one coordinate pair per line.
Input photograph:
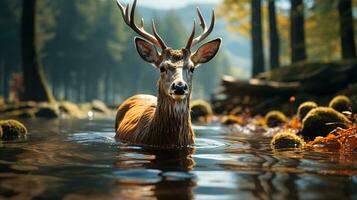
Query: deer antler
x,y
129,20
206,31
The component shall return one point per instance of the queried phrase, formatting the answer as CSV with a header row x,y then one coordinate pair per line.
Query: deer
x,y
164,120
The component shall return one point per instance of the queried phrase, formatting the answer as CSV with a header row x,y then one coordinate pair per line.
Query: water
x,y
79,159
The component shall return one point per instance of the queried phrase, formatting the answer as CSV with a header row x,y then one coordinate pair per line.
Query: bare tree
x,y
346,29
273,36
297,31
35,88
257,40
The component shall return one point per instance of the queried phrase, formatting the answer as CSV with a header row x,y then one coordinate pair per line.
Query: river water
x,y
79,159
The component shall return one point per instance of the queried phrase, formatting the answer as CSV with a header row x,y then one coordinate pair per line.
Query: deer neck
x,y
171,124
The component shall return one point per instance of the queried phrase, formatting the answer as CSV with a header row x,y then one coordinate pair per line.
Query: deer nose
x,y
179,88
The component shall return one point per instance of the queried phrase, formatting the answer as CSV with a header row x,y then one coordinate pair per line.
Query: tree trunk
x,y
297,31
35,88
257,40
273,36
346,29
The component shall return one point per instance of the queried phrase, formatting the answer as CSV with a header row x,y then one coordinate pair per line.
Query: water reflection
x,y
163,174
80,160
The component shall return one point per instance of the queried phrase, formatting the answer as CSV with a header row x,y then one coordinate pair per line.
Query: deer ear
x,y
146,50
206,52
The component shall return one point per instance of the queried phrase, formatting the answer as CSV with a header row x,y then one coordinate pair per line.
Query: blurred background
x,y
86,52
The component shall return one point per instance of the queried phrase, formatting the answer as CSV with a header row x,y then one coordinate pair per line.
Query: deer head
x,y
176,66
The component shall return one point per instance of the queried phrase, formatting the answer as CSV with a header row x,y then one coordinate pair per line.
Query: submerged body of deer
x,y
164,121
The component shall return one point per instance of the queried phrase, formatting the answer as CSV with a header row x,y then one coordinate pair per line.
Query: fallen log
x,y
276,87
256,87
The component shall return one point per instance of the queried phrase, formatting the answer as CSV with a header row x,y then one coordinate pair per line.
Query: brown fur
x,y
163,122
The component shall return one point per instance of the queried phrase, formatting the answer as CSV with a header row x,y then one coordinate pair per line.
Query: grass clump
x,y
341,103
286,139
275,118
236,111
231,119
12,129
200,109
321,121
304,108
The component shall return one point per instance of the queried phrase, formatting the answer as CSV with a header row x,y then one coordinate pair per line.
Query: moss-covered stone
x,y
286,140
26,114
49,111
200,108
341,103
351,92
275,118
12,129
231,119
99,106
71,109
236,111
18,106
321,121
304,108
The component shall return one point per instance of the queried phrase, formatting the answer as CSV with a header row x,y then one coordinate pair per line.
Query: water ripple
x,y
204,143
92,137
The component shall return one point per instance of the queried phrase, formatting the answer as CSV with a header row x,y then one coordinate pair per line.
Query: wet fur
x,y
155,121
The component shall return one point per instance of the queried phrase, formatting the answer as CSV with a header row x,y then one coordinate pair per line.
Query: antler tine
x,y
202,20
189,43
132,14
157,36
206,31
130,21
122,10
142,23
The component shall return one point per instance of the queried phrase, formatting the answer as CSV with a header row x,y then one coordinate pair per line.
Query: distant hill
x,y
234,45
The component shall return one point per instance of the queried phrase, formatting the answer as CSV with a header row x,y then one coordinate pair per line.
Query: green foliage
x,y
286,140
321,121
10,51
45,23
12,129
304,108
341,103
275,118
88,52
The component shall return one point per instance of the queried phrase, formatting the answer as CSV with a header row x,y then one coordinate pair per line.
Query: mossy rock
x,y
304,108
12,129
200,108
341,103
275,118
22,114
71,109
230,119
18,106
286,140
321,121
236,110
49,111
351,92
99,106
26,114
